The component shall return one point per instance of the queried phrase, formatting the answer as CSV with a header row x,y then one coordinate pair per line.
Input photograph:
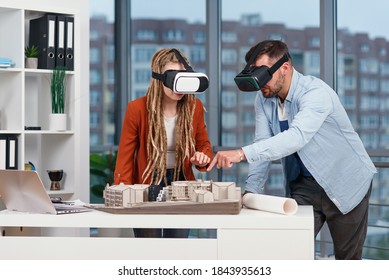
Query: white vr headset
x,y
183,81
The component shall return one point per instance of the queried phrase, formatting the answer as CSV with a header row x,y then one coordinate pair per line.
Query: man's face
x,y
273,87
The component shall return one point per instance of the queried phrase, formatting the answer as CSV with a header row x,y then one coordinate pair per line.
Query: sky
x,y
369,19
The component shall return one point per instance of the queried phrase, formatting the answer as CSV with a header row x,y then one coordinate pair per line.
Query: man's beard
x,y
277,87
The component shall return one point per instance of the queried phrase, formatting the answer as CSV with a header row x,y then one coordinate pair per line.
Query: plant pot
x,y
31,62
57,122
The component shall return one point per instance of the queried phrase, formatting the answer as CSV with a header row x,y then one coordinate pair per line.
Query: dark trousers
x,y
159,232
348,231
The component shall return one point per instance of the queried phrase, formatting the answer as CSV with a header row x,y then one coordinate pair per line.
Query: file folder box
x,y
42,34
8,152
69,43
60,41
12,150
3,152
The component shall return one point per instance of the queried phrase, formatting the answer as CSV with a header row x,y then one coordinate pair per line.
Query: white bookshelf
x,y
25,98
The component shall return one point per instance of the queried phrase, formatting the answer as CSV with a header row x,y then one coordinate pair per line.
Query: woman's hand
x,y
200,159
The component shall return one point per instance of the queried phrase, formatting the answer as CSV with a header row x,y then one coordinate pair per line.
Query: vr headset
x,y
183,81
255,78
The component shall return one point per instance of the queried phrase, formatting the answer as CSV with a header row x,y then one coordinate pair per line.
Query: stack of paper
x,y
6,62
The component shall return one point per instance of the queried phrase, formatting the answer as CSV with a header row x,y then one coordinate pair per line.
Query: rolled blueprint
x,y
270,203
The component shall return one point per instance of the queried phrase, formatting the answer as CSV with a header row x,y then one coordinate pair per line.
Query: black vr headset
x,y
255,78
183,81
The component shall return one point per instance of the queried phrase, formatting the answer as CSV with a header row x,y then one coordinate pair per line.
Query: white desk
x,y
250,235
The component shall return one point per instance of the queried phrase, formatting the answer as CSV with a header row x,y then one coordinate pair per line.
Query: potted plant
x,y
31,53
57,119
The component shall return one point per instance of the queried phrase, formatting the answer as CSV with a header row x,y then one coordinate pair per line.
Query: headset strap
x,y
157,76
182,60
252,58
278,64
274,68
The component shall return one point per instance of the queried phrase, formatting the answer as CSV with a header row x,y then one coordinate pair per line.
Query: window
x,y
145,35
230,120
368,65
385,86
110,53
369,85
144,55
228,77
142,76
173,35
367,45
242,27
384,68
229,56
362,67
94,119
199,37
95,97
102,74
94,55
248,118
197,55
95,76
229,37
314,41
276,36
229,99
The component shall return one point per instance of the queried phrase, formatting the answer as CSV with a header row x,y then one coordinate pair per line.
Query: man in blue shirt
x,y
300,120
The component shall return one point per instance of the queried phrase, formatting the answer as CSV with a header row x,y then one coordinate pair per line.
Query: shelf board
x,y
10,131
7,70
70,132
60,192
37,72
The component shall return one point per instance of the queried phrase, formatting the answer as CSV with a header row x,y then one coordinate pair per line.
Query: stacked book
x,y
6,63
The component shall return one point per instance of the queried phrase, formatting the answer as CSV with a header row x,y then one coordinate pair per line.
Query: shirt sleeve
x,y
313,108
203,143
127,146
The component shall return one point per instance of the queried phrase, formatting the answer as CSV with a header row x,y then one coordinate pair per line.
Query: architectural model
x,y
196,191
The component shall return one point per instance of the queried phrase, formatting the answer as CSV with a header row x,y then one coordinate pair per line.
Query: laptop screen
x,y
23,191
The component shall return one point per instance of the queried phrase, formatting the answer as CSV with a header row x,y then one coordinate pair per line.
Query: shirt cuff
x,y
250,154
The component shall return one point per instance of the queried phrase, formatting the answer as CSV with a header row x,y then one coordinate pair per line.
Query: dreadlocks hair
x,y
157,140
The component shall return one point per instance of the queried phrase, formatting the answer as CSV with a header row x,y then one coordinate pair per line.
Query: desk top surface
x,y
247,218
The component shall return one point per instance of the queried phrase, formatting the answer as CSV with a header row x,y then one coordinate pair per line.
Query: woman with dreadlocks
x,y
163,135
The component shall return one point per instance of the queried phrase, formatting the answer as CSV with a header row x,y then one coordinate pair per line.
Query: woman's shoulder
x,y
138,103
199,104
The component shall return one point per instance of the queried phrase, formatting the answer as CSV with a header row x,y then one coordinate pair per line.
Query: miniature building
x,y
184,190
116,196
138,193
224,190
124,195
197,191
202,196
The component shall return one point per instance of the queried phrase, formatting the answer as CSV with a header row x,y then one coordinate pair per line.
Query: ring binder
x,y
42,34
60,41
12,150
3,152
69,43
8,152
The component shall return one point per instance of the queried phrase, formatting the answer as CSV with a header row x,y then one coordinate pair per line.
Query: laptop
x,y
23,191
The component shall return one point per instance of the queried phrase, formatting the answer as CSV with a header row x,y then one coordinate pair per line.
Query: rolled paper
x,y
270,203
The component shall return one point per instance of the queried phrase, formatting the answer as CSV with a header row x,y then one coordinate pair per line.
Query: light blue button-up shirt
x,y
322,135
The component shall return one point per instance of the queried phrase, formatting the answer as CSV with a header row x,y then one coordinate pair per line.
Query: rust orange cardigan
x,y
132,154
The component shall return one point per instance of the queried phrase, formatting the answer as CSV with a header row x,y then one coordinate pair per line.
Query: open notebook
x,y
23,191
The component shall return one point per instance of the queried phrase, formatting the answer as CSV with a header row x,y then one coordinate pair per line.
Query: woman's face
x,y
169,94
